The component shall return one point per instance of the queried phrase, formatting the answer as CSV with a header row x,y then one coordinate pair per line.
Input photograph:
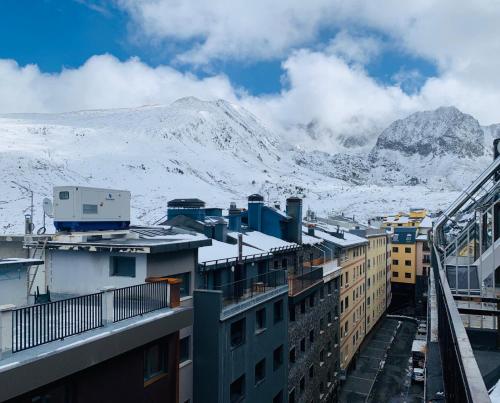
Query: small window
x,y
64,195
278,311
260,319
302,385
311,301
395,261
303,345
395,274
407,262
184,286
184,347
278,358
311,371
260,371
123,266
292,356
407,250
303,306
311,336
90,209
291,396
407,275
155,361
237,390
238,333
394,248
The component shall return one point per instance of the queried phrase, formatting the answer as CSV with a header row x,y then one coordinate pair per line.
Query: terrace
x,y
35,325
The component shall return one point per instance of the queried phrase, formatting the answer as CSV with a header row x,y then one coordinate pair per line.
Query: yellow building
x,y
403,256
352,302
414,219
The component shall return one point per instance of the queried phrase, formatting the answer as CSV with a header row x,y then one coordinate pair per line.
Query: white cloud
x,y
357,49
102,82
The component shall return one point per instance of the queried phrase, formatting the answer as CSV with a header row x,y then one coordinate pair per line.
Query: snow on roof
x,y
348,240
422,237
418,346
262,241
20,261
426,222
222,251
280,212
310,240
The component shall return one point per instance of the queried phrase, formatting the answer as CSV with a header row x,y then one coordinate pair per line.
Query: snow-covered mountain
x,y
220,152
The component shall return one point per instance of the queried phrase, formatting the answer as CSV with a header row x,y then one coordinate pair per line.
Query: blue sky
x,y
57,34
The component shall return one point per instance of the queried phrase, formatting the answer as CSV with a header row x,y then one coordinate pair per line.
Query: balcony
x,y
242,294
31,326
307,278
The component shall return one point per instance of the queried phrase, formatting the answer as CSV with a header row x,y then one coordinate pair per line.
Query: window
x,y
407,250
302,385
322,293
260,319
395,261
407,275
292,355
311,336
155,361
303,306
184,286
321,324
394,248
329,288
347,278
278,311
291,396
238,333
329,346
329,317
303,345
279,397
311,301
395,274
407,262
89,209
184,347
322,356
342,306
64,195
260,371
346,302
122,266
278,358
237,390
284,263
311,371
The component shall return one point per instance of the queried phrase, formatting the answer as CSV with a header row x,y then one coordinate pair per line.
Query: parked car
x,y
418,375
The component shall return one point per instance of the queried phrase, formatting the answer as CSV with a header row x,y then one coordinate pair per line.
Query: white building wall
x,y
13,285
79,272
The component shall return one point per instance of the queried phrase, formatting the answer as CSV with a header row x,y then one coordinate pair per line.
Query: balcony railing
x,y
300,282
139,299
31,326
39,324
241,290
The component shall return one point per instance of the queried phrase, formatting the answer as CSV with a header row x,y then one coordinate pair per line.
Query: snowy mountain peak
x,y
445,130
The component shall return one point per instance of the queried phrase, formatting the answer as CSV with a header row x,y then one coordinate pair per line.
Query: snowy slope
x,y
215,150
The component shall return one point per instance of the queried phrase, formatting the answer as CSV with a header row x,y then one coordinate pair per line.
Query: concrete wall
x,y
77,272
13,285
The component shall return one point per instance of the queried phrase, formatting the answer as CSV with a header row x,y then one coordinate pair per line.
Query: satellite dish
x,y
48,208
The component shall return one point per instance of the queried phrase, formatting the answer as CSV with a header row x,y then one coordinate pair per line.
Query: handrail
x,y
451,326
465,196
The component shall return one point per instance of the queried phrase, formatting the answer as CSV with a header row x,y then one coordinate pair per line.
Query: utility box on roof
x,y
79,208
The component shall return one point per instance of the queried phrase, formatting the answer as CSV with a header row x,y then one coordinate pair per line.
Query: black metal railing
x,y
39,324
139,299
303,279
237,291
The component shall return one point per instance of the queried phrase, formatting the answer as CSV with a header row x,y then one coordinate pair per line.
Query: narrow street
x,y
374,380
